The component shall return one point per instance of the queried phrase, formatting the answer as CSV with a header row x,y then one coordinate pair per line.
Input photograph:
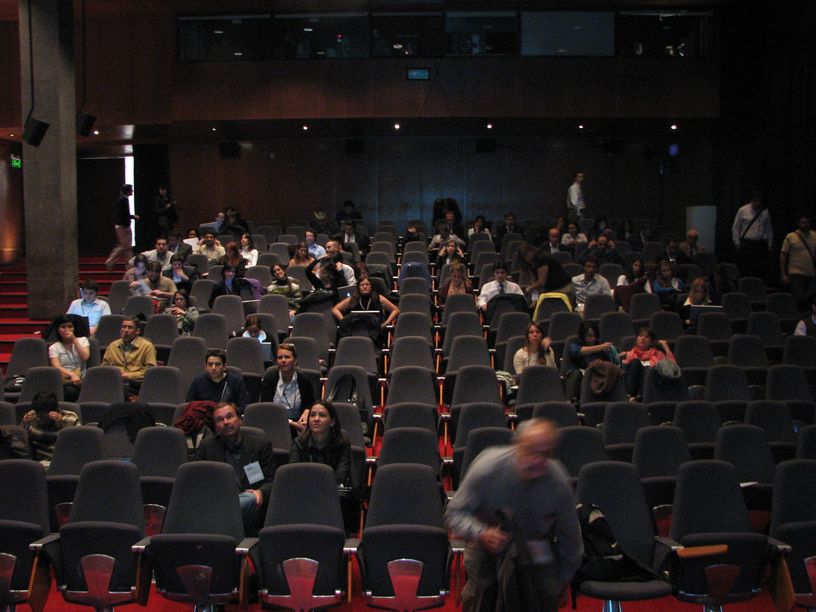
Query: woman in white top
x,y
248,250
536,350
479,227
69,354
573,236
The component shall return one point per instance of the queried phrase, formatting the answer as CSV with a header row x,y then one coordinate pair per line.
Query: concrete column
x,y
49,171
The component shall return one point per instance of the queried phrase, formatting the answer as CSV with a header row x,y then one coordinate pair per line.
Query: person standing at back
x,y
752,235
124,234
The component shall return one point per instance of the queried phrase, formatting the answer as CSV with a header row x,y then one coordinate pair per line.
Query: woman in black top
x,y
548,273
369,301
324,442
326,273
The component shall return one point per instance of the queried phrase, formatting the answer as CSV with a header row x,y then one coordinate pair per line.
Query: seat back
x,y
159,451
660,451
102,384
162,384
75,447
746,448
212,327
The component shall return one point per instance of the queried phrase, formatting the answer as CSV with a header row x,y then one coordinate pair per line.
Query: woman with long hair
x,y
323,441
301,256
248,250
183,311
69,354
285,285
536,350
457,282
369,301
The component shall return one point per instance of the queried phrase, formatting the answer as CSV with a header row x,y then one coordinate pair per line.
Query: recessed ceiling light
x,y
305,128
673,126
580,126
396,126
308,29
218,31
214,129
96,132
489,126
397,45
237,53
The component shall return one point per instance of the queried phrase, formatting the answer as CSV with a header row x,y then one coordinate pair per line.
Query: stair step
x,y
11,298
7,341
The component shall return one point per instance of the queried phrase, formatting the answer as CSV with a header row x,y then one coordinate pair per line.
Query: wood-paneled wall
x,y
399,178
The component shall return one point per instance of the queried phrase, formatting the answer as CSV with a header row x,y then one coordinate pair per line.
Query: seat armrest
x,y
245,546
350,547
781,547
668,542
139,547
44,543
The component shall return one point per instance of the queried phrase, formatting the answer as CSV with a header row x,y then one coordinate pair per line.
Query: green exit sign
x,y
16,161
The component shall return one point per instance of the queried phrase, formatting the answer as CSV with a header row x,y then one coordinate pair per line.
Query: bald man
x,y
517,491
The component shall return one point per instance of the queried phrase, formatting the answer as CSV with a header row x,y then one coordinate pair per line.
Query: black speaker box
x,y
34,131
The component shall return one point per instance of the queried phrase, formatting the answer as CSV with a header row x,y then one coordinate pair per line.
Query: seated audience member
x,y
192,233
160,288
457,282
70,355
479,227
131,354
441,237
183,279
251,457
666,285
449,253
500,285
290,386
582,352
177,246
536,350
697,296
217,384
160,253
137,272
253,328
43,422
589,283
326,276
412,234
627,233
230,284
548,275
235,225
233,257
184,313
248,251
334,249
554,243
315,250
301,256
369,301
574,237
603,249
807,326
635,275
322,441
599,228
286,286
349,213
508,227
209,246
691,246
673,253
454,223
647,352
350,234
89,305
720,282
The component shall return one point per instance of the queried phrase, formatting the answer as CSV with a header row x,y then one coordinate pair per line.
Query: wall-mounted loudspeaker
x,y
34,131
229,149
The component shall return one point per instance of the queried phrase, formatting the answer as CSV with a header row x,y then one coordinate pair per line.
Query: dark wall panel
x,y
98,183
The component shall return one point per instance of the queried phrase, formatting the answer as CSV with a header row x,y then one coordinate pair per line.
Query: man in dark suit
x,y
249,455
177,246
508,227
287,384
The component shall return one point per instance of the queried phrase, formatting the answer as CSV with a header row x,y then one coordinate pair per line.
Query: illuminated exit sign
x,y
16,161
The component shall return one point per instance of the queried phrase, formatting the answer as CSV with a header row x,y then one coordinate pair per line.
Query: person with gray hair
x,y
517,494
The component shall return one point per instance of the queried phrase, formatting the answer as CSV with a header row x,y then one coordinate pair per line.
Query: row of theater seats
x,y
633,497
106,552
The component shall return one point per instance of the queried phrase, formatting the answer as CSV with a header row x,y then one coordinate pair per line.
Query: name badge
x,y
253,472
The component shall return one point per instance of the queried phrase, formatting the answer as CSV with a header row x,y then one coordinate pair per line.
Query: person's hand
x,y
134,284
258,496
55,415
29,416
137,217
304,418
663,344
125,375
155,293
606,345
546,341
74,380
493,539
